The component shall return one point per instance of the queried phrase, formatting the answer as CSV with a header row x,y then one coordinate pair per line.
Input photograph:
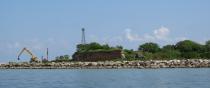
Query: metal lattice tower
x,y
83,36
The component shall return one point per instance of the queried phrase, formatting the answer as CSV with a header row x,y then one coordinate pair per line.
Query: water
x,y
105,78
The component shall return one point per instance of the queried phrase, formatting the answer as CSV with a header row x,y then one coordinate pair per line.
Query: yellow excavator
x,y
33,57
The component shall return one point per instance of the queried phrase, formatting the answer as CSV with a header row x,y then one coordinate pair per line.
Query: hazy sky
x,y
56,24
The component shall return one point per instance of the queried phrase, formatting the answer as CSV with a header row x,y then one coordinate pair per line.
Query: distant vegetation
x,y
186,49
95,47
64,58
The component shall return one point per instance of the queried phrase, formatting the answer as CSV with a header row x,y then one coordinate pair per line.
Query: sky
x,y
57,24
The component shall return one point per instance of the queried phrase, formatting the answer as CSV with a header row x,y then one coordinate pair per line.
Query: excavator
x,y
33,57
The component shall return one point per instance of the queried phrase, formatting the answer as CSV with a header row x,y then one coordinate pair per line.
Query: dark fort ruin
x,y
97,56
96,52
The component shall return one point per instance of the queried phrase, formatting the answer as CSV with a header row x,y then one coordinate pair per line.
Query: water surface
x,y
105,78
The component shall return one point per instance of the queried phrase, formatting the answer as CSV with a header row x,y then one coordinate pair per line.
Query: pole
x,y
47,53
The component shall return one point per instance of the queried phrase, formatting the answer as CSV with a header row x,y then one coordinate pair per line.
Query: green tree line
x,y
186,49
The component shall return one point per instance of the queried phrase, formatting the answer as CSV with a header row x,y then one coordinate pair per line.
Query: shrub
x,y
190,55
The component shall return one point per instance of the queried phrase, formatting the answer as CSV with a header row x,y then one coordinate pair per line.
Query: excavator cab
x,y
34,59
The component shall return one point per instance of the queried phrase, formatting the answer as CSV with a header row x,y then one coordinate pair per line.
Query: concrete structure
x,y
97,56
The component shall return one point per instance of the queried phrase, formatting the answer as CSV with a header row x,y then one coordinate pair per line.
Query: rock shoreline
x,y
153,64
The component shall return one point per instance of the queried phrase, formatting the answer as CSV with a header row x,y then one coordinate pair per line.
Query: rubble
x,y
153,64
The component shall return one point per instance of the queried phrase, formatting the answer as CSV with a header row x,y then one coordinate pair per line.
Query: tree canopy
x,y
188,46
149,47
94,47
207,46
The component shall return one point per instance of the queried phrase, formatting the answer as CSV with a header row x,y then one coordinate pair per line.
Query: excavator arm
x,y
33,58
21,53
